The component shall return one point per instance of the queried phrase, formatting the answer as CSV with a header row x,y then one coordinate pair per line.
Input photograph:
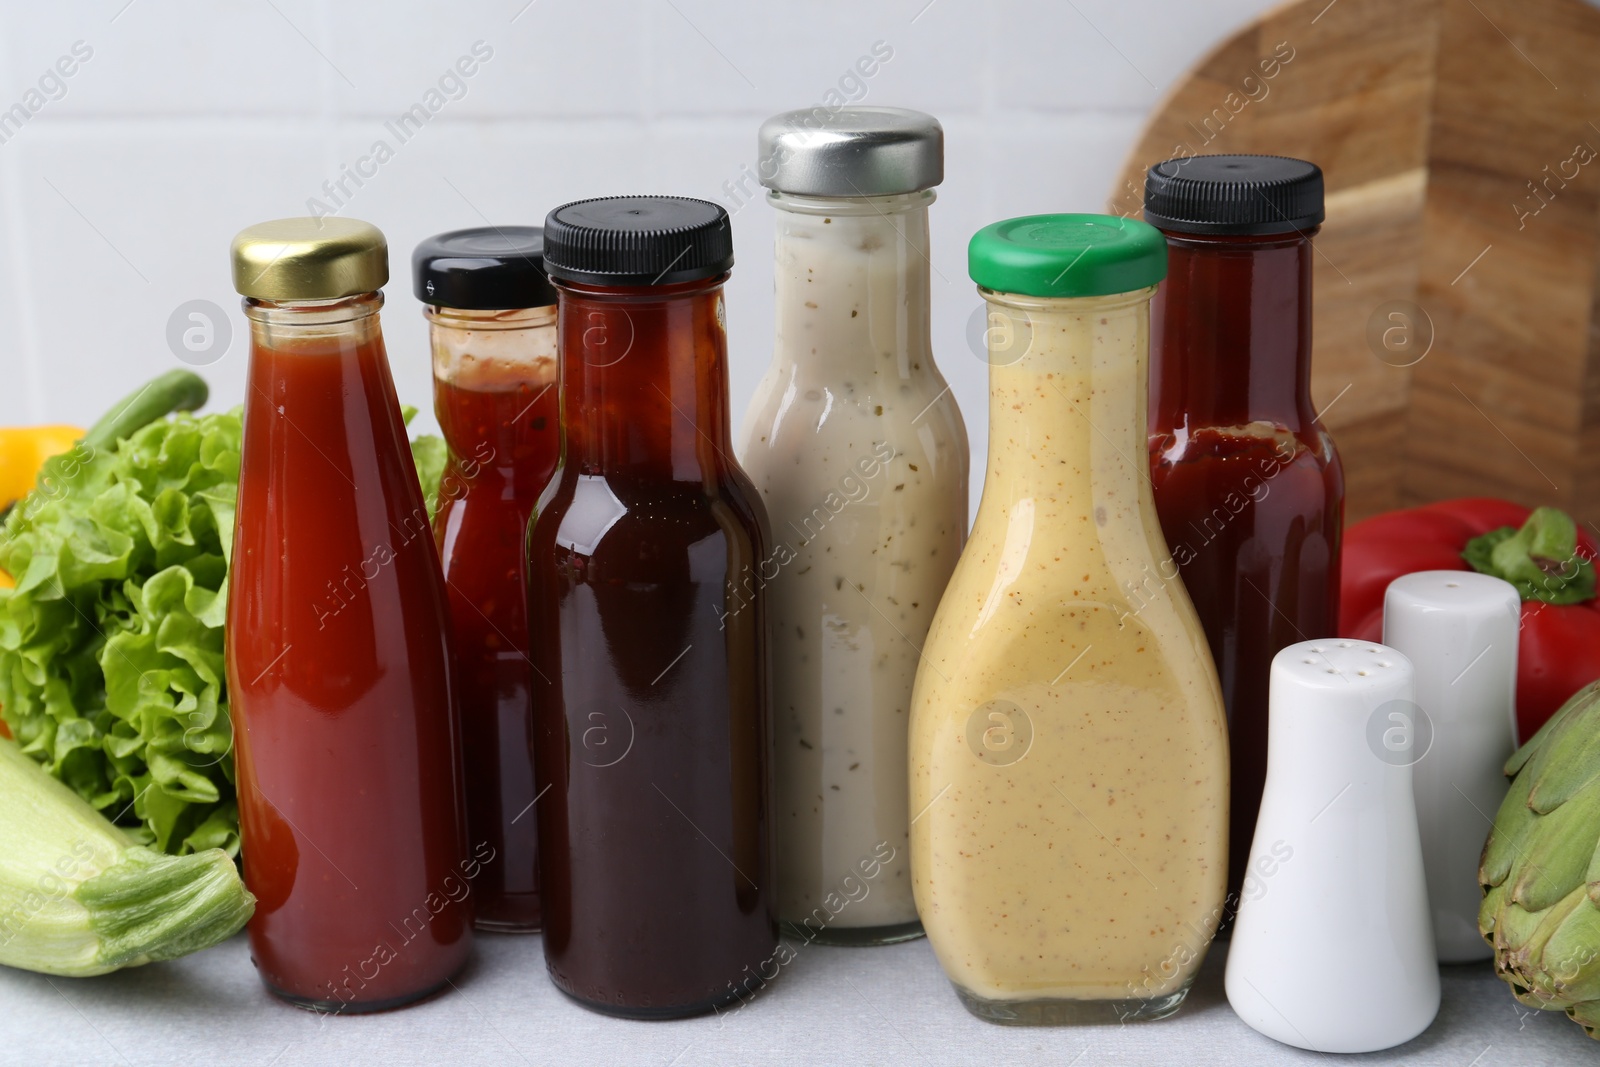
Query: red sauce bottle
x,y
649,620
492,320
350,809
1247,482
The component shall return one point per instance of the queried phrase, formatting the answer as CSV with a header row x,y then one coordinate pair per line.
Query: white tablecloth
x,y
831,1006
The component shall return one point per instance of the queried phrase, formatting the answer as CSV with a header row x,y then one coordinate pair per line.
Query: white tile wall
x,y
171,57
192,119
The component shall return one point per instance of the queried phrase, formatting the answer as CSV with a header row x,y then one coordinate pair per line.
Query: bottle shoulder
x,y
799,421
582,512
1215,460
1045,551
1020,616
1137,648
870,375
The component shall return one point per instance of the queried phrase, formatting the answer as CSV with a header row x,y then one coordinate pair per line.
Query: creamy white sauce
x,y
860,454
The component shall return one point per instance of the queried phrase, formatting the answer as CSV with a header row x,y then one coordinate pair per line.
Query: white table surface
x,y
831,1006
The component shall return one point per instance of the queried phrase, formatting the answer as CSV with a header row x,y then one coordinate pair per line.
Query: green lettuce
x,y
112,673
111,645
430,455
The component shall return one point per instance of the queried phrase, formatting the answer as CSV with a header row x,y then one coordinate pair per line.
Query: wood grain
x,y
1450,134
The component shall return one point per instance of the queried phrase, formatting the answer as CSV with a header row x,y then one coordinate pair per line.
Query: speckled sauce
x,y
1068,743
859,452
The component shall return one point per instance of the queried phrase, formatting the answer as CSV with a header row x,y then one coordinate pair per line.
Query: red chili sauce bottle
x,y
492,324
350,805
648,617
1247,482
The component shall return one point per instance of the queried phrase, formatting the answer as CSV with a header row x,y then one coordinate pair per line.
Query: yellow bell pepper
x,y
23,451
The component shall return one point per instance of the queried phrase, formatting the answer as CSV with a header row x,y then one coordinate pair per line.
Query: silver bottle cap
x,y
854,151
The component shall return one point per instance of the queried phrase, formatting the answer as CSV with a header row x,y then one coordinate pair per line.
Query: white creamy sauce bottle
x,y
860,454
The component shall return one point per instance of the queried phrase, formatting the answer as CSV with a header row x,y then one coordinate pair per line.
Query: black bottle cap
x,y
637,240
1234,195
487,268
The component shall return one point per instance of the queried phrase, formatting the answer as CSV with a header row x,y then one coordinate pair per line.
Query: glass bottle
x,y
1247,482
492,323
649,620
858,448
350,805
1069,762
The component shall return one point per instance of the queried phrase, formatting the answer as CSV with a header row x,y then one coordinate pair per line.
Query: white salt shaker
x,y
1459,629
1333,947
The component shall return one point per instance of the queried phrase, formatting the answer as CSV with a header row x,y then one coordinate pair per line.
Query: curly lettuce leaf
x,y
430,455
112,669
111,645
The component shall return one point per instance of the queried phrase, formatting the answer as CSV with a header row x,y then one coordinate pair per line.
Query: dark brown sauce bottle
x,y
652,722
1247,481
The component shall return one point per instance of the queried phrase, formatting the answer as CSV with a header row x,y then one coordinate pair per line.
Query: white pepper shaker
x,y
1459,629
1333,947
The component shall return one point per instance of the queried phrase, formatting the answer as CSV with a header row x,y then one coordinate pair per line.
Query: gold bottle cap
x,y
309,259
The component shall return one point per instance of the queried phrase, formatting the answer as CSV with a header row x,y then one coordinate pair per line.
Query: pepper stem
x,y
1541,559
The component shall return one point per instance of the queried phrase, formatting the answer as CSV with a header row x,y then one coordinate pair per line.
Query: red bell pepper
x,y
1541,552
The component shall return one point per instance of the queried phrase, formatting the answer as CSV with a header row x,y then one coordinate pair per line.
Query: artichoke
x,y
1540,872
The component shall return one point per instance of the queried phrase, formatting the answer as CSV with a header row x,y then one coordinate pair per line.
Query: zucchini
x,y
77,898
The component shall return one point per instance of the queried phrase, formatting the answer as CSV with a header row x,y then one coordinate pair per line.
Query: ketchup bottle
x,y
350,800
647,616
1247,482
492,323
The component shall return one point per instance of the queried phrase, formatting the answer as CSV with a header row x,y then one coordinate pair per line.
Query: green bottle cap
x,y
1067,255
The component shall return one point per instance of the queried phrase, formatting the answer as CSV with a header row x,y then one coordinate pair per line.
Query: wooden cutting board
x,y
1456,348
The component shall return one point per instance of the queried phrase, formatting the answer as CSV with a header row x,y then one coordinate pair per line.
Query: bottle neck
x,y
517,333
314,325
495,395
1232,328
644,380
320,413
852,283
1067,399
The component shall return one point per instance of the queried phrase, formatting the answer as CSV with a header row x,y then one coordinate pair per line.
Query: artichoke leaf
x,y
1587,1015
1555,856
1511,825
1569,959
1540,872
1577,770
1493,900
1525,956
1514,927
1536,743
